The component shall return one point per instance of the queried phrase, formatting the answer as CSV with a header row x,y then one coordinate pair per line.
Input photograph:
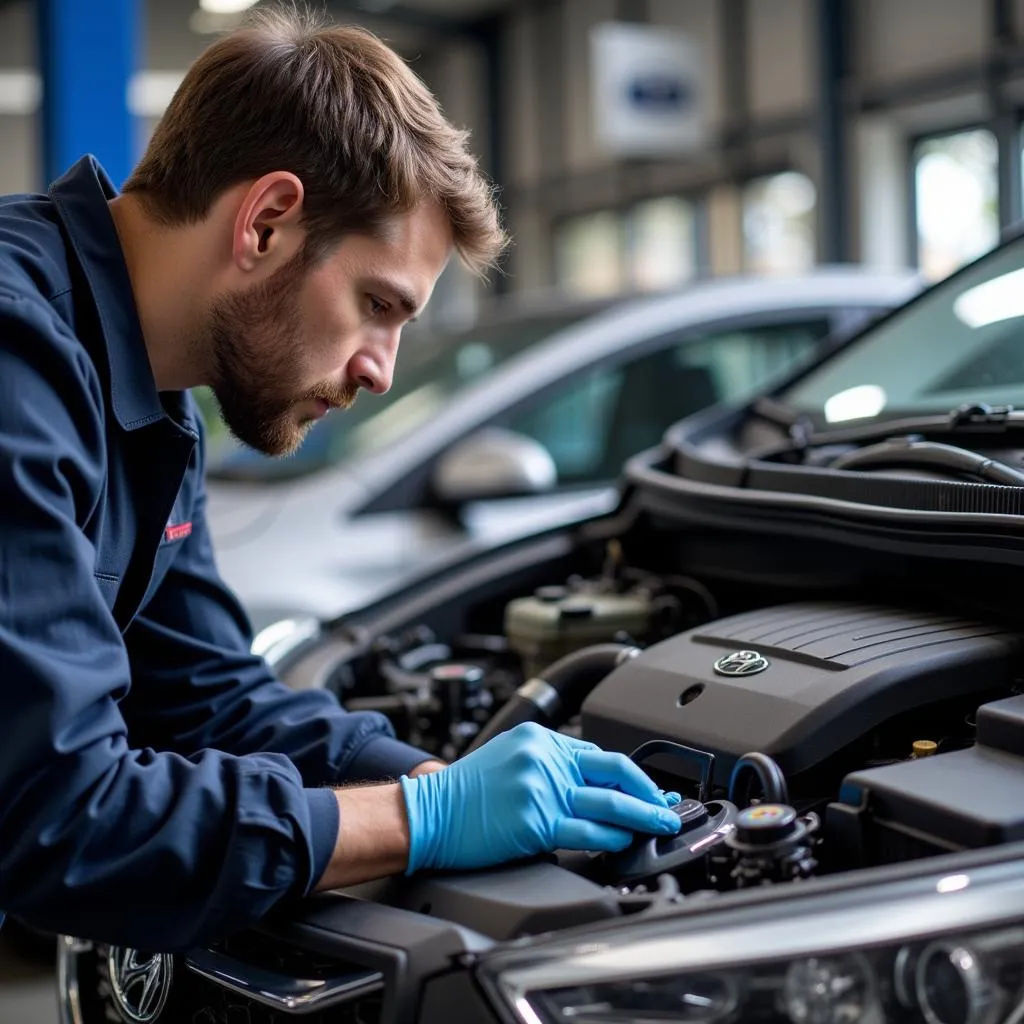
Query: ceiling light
x,y
226,6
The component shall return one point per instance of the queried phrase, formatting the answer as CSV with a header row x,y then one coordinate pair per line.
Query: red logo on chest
x,y
177,532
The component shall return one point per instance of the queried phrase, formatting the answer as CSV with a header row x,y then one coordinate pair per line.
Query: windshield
x,y
429,374
961,342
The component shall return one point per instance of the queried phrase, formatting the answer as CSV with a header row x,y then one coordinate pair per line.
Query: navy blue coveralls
x,y
157,785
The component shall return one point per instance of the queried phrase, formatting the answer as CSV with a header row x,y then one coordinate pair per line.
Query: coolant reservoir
x,y
556,621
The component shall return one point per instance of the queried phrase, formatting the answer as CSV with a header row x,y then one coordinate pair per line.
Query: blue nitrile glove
x,y
530,791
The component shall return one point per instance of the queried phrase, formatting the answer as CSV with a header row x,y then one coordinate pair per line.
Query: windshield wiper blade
x,y
798,425
981,415
970,419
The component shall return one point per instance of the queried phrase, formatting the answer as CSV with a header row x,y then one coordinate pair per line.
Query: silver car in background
x,y
504,429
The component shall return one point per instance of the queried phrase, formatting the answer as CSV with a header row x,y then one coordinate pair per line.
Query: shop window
x,y
956,200
592,423
662,243
589,254
779,224
651,246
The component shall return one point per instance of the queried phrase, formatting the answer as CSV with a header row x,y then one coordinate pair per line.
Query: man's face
x,y
287,350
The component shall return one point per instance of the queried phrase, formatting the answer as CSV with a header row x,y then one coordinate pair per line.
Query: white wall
x,y
522,133
451,74
19,147
580,16
17,35
880,153
899,39
19,154
701,21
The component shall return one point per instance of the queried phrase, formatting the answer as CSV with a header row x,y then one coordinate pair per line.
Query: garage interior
x,y
847,100
886,134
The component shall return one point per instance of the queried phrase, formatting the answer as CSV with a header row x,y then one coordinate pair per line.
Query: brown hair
x,y
335,106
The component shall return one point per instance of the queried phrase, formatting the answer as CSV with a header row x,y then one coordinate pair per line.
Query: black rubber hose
x,y
400,679
553,697
408,671
757,768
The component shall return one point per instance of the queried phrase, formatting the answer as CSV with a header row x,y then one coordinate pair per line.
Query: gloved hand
x,y
530,791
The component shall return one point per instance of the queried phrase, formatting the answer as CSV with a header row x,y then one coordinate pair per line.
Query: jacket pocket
x,y
108,585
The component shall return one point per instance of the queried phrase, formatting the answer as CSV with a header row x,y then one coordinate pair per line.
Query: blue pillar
x,y
87,53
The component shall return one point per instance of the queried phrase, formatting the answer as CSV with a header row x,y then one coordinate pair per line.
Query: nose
x,y
373,366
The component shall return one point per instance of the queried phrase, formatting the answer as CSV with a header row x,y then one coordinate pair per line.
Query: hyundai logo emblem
x,y
741,663
139,984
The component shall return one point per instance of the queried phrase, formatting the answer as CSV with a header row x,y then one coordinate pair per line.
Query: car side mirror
x,y
493,463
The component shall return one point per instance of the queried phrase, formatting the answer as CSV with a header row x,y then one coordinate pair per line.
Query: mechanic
x,y
158,786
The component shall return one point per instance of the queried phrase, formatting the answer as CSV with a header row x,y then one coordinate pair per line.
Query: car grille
x,y
213,1003
208,986
205,1002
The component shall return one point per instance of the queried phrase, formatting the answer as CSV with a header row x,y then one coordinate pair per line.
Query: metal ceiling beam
x,y
413,17
1003,113
835,40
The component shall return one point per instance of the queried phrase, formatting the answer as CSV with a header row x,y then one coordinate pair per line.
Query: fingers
x,y
575,744
672,798
577,834
600,768
610,807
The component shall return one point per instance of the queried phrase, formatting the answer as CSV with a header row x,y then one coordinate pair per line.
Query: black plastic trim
x,y
961,535
896,492
682,455
407,948
820,526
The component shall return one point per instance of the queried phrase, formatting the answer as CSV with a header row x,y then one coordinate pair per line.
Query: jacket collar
x,y
80,197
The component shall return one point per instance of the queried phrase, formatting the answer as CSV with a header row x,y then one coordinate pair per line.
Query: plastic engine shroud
x,y
814,677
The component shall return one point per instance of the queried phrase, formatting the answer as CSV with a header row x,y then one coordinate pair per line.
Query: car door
x,y
593,422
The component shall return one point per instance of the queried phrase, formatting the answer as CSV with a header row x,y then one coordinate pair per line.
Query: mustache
x,y
342,397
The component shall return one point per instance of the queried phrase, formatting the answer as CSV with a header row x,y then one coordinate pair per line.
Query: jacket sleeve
x,y
196,685
99,837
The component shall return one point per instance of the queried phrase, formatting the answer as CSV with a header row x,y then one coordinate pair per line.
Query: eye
x,y
378,307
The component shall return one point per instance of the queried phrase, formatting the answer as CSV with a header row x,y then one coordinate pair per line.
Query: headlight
x,y
944,949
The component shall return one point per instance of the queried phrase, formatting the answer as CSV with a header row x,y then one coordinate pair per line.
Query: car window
x,y
429,374
593,423
961,342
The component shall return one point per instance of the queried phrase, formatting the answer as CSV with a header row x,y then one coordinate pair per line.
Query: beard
x,y
257,351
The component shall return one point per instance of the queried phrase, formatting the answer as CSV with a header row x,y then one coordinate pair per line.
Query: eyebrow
x,y
404,298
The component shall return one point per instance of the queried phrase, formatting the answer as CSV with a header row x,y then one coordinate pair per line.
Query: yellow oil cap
x,y
925,748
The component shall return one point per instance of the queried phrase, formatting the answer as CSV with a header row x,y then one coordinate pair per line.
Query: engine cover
x,y
797,682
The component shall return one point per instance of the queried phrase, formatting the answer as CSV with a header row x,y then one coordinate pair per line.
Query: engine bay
x,y
811,729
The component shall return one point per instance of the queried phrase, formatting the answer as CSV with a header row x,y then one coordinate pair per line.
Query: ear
x,y
268,229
